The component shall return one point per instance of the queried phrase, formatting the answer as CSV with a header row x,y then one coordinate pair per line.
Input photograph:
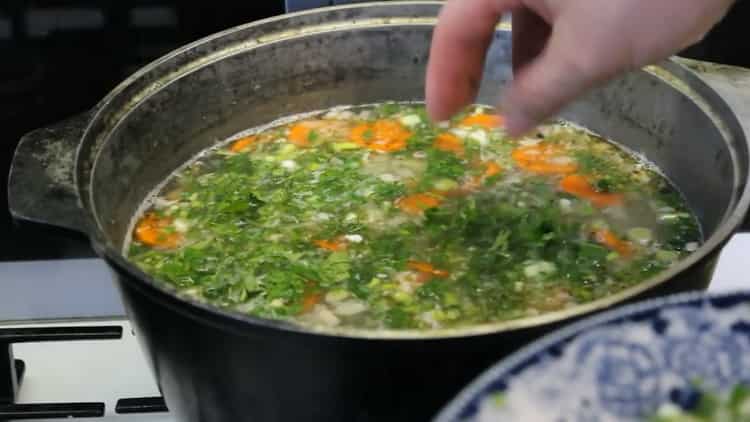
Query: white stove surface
x,y
109,370
88,371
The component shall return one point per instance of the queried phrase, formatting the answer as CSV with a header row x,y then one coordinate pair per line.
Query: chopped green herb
x,y
372,226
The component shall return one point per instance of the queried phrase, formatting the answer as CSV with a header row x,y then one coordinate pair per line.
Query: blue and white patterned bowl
x,y
621,365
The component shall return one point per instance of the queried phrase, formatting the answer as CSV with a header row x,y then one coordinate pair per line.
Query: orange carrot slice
x,y
579,186
243,144
362,133
310,300
311,296
488,121
381,136
153,231
492,168
299,134
417,204
335,245
449,142
427,268
611,241
543,159
464,190
423,278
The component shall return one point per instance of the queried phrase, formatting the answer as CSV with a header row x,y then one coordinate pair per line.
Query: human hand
x,y
561,48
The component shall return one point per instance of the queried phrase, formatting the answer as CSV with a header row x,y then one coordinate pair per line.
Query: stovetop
x,y
104,376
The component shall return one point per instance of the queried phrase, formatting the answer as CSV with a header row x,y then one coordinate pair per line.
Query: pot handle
x,y
41,183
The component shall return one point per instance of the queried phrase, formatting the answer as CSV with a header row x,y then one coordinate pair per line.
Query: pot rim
x,y
713,105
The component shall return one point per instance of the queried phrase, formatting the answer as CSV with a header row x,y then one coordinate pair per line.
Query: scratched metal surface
x,y
731,82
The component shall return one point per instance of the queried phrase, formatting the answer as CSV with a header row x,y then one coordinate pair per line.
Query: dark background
x,y
59,57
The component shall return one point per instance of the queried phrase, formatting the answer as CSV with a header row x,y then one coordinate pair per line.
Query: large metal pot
x,y
90,174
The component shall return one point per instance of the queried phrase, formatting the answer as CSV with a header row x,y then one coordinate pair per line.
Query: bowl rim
x,y
505,367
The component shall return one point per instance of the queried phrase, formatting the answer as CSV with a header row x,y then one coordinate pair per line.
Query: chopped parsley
x,y
369,222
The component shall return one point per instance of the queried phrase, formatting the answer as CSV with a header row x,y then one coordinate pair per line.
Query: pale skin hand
x,y
561,48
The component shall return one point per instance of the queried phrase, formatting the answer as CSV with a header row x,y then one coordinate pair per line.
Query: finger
x,y
459,45
562,72
530,35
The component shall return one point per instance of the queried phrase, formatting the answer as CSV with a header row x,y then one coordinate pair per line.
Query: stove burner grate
x,y
12,371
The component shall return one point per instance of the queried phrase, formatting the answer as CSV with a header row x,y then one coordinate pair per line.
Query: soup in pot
x,y
376,218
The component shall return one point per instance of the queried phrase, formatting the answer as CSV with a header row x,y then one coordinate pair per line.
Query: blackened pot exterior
x,y
219,366
214,370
